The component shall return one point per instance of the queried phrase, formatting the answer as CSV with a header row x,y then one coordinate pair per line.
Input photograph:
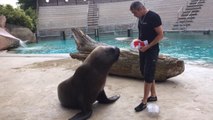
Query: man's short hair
x,y
136,5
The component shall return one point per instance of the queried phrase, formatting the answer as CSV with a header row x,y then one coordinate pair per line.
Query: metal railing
x,y
197,2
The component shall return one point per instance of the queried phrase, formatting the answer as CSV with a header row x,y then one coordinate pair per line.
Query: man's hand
x,y
144,48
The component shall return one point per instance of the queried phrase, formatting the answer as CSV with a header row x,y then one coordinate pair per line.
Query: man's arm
x,y
159,31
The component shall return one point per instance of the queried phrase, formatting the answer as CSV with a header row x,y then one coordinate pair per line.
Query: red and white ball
x,y
137,44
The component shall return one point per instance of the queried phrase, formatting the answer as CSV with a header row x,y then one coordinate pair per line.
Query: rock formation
x,y
7,43
2,21
11,35
23,33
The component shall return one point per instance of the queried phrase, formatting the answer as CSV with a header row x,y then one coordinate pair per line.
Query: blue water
x,y
48,47
193,47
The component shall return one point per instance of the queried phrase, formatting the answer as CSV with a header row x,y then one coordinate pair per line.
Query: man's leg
x,y
153,90
153,96
147,88
142,105
153,57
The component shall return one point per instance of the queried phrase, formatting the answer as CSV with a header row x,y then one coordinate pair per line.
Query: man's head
x,y
138,9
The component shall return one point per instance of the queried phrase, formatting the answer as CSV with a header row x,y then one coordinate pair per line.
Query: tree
x,y
32,13
16,16
25,4
29,6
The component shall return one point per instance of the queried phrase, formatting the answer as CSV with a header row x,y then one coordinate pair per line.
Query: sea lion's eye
x,y
111,50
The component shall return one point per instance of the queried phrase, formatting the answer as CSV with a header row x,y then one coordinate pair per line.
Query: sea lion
x,y
86,86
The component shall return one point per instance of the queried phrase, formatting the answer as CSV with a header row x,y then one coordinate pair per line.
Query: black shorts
x,y
148,61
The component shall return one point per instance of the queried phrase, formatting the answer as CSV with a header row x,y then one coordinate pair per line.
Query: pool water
x,y
194,47
48,47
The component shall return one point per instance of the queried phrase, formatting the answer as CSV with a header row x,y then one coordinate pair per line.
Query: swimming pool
x,y
193,47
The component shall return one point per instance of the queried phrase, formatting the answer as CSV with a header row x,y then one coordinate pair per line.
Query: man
x,y
150,28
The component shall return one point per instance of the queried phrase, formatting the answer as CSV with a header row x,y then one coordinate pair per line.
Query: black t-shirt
x,y
146,25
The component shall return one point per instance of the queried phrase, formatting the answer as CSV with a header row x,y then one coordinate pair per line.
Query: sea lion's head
x,y
103,56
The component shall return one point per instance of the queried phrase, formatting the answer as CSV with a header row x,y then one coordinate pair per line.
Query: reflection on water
x,y
124,38
190,47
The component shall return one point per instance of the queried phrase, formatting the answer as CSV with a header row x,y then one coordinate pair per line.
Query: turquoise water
x,y
193,47
48,47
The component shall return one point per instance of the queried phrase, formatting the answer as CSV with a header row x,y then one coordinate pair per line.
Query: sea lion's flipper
x,y
82,115
102,98
86,109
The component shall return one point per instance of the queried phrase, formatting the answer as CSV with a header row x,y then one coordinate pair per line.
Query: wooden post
x,y
129,33
63,35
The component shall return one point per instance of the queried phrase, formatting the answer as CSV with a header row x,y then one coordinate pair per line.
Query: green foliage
x,y
17,16
25,4
32,13
29,6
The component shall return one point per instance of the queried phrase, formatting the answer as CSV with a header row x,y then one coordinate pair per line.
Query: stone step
x,y
185,21
92,14
195,2
93,25
193,11
92,21
190,17
179,28
91,10
192,5
193,8
181,25
186,14
90,18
